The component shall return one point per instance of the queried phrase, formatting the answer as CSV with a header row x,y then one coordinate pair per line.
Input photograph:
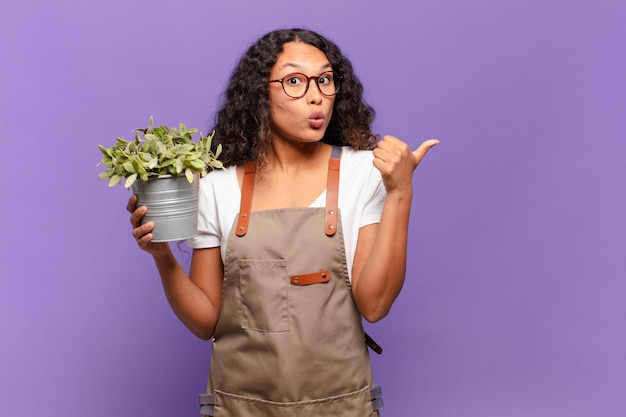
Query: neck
x,y
290,158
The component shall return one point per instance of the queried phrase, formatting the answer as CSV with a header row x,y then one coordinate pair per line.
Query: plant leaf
x,y
153,162
120,141
104,150
196,163
128,166
114,180
217,164
130,180
105,174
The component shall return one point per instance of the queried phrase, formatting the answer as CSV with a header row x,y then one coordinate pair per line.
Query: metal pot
x,y
172,206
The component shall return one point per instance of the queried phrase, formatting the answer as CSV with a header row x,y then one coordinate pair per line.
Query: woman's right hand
x,y
142,232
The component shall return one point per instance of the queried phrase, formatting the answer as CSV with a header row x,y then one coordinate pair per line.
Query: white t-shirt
x,y
361,199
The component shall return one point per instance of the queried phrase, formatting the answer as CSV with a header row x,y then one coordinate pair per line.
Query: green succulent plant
x,y
158,151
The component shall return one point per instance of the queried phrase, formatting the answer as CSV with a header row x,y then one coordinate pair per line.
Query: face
x,y
304,119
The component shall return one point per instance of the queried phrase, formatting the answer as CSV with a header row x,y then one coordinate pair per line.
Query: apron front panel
x,y
319,350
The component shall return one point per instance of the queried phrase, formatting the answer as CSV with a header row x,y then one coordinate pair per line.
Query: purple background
x,y
514,300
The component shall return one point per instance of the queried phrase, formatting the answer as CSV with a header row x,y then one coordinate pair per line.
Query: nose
x,y
314,95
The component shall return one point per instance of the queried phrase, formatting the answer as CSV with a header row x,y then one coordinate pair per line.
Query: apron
x,y
289,340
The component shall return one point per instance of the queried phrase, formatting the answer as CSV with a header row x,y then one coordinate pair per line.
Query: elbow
x,y
373,310
375,315
202,333
203,336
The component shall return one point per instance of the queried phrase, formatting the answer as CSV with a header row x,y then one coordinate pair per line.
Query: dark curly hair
x,y
243,125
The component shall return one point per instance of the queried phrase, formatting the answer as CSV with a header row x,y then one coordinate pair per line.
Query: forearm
x,y
382,275
188,301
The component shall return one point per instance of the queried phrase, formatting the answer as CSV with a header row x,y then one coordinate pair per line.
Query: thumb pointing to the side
x,y
423,149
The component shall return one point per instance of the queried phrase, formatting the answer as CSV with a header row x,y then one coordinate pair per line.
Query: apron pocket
x,y
264,294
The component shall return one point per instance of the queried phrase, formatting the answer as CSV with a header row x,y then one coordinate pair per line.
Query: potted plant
x,y
162,165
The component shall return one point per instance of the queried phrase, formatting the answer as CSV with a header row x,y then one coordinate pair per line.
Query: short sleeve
x,y
209,234
373,206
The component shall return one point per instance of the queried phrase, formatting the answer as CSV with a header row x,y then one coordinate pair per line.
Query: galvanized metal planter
x,y
172,206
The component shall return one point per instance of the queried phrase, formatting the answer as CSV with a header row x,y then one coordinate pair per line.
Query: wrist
x,y
163,254
399,196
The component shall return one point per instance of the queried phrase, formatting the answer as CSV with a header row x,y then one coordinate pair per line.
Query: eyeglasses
x,y
296,85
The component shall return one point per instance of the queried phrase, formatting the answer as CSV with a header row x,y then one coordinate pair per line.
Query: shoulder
x,y
356,159
359,163
219,178
360,181
351,154
221,186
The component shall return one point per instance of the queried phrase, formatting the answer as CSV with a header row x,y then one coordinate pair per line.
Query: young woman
x,y
303,235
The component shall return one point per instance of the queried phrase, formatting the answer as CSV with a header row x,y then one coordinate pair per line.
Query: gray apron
x,y
289,340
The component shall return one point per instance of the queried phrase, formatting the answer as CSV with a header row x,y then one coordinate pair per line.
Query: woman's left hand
x,y
396,162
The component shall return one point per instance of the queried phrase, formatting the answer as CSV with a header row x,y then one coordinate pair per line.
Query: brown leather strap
x,y
372,344
318,277
246,199
332,192
332,195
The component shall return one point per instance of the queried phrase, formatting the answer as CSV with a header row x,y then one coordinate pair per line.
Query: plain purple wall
x,y
514,303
